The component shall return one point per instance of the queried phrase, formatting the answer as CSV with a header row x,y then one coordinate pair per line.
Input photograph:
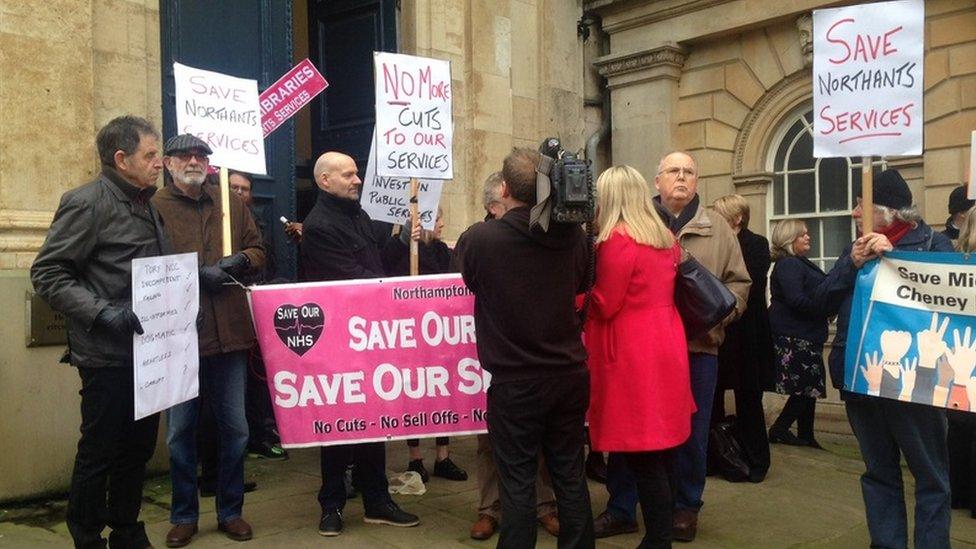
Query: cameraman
x,y
525,282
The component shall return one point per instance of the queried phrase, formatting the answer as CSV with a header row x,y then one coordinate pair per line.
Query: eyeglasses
x,y
185,156
676,171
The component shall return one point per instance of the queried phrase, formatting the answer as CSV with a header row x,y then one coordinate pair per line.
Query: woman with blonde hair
x,y
640,388
745,358
801,302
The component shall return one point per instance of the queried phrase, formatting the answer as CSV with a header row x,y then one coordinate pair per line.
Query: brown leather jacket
x,y
194,226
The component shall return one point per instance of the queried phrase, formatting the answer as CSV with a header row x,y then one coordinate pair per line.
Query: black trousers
x,y
655,488
547,415
801,409
368,475
439,441
750,424
106,484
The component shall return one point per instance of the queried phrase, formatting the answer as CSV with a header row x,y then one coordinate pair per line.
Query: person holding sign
x,y
192,216
338,243
887,428
83,270
525,283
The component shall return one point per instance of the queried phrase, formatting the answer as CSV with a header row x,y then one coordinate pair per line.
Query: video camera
x,y
564,187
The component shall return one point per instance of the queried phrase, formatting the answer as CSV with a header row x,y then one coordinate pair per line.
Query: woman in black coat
x,y
745,359
801,302
434,257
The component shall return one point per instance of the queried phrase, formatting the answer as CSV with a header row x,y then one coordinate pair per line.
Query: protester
x,y
640,402
489,504
83,270
707,237
887,428
191,215
961,434
338,243
525,282
959,206
434,257
802,299
745,358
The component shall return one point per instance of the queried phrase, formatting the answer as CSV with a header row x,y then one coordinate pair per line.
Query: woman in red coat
x,y
640,395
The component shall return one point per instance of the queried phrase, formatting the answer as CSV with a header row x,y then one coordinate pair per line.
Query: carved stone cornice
x,y
627,68
23,230
749,184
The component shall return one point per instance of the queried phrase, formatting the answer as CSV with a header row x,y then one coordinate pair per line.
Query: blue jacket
x,y
803,297
922,238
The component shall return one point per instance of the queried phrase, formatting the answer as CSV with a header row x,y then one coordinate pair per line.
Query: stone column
x,y
643,96
754,187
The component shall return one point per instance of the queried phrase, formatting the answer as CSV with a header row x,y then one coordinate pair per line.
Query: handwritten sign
x,y
414,125
166,298
289,94
369,360
223,111
388,198
867,79
971,193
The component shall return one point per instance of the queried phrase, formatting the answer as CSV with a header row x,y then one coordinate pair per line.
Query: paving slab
x,y
811,498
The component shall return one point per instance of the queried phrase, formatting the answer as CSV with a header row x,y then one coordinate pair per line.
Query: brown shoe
x,y
551,523
684,525
484,528
180,535
237,529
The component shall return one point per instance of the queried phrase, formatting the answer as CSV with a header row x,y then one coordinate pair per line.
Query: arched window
x,y
816,190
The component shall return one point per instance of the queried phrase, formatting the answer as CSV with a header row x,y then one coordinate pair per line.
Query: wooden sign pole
x,y
867,196
414,221
225,212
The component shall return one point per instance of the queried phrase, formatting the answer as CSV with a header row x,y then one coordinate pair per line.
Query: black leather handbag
x,y
701,298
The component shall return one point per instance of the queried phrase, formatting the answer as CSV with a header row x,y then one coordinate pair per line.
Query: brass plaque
x,y
45,326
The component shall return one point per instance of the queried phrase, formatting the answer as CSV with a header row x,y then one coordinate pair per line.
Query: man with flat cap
x,y
192,221
338,243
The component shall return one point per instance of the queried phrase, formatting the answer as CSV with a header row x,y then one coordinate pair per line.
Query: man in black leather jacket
x,y
84,271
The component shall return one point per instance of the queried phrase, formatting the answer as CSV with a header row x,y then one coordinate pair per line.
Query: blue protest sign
x,y
912,332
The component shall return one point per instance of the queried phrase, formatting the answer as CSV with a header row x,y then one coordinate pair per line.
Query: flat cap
x,y
185,142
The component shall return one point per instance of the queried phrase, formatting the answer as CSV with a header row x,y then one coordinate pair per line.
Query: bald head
x,y
336,174
676,180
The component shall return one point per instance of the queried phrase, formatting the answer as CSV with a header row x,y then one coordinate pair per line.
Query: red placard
x,y
289,94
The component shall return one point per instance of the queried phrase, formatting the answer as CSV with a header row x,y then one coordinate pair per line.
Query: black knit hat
x,y
185,142
890,190
958,201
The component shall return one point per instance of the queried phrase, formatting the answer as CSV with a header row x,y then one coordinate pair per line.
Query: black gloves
x,y
236,264
119,320
212,278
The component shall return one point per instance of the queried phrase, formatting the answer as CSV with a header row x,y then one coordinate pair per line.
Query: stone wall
x,y
517,70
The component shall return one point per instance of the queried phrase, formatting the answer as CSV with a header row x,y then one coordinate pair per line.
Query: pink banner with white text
x,y
371,360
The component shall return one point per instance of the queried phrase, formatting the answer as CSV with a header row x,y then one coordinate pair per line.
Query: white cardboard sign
x,y
388,198
867,79
224,112
414,124
166,359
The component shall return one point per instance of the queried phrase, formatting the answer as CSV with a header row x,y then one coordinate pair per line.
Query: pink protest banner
x,y
289,94
371,360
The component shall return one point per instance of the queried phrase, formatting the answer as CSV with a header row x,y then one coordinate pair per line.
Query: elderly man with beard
x,y
192,222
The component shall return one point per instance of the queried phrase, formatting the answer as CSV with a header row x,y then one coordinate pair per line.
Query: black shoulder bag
x,y
701,298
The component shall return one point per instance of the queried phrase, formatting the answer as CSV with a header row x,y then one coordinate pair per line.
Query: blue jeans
x,y
886,430
222,379
689,459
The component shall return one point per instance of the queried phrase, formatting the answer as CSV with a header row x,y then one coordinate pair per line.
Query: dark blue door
x,y
248,39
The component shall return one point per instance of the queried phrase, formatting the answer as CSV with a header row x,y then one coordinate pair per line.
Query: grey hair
x,y
490,190
908,215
